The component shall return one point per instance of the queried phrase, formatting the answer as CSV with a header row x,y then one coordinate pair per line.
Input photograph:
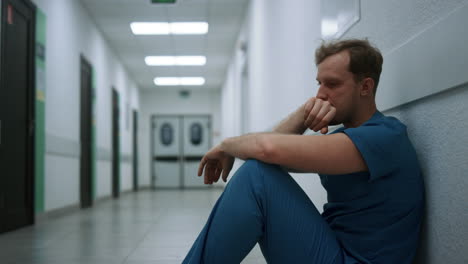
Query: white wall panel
x,y
126,176
103,179
62,182
430,62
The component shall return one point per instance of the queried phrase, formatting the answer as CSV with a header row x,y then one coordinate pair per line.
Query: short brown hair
x,y
365,59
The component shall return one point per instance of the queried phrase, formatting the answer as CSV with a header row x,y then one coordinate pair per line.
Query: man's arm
x,y
292,124
295,153
330,154
315,114
298,121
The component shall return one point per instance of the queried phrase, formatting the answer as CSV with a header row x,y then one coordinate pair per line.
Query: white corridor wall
x,y
424,48
280,37
70,33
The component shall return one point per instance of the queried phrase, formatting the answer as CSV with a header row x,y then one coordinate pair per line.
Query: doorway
x,y
17,114
115,144
178,145
86,134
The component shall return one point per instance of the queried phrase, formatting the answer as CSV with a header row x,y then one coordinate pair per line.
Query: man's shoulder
x,y
379,125
382,124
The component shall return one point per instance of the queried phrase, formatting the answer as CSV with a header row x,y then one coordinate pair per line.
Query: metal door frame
x,y
135,118
86,177
181,145
31,97
115,132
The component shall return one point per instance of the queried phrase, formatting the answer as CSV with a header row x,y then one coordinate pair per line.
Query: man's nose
x,y
321,94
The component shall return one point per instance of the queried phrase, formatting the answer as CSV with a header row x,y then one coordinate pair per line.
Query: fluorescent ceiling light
x,y
191,60
160,60
163,28
175,81
175,60
192,81
166,81
150,28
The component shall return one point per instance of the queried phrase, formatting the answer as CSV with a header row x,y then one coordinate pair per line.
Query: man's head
x,y
365,60
348,74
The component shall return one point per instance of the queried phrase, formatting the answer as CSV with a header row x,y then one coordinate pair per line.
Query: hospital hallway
x,y
108,107
140,228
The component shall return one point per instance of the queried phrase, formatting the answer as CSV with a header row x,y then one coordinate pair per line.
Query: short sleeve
x,y
379,143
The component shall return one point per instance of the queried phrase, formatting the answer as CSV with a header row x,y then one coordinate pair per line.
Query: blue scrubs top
x,y
376,215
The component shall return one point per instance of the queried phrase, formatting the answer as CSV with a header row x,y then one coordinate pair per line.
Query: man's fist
x,y
318,114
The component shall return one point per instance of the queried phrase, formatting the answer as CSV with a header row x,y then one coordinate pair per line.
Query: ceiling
x,y
225,18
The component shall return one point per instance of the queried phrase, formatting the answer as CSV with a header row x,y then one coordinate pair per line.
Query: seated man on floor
x,y
368,167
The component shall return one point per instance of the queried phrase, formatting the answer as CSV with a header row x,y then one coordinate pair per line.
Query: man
x,y
368,167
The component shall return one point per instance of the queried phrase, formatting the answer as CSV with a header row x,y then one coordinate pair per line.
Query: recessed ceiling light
x,y
163,28
150,28
166,81
175,81
192,81
175,60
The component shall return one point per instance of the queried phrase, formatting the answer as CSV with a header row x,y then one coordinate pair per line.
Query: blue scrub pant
x,y
263,204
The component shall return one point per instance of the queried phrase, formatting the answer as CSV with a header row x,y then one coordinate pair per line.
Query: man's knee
x,y
247,172
252,164
255,170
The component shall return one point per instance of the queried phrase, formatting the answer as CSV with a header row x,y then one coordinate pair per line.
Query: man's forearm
x,y
293,124
254,145
244,147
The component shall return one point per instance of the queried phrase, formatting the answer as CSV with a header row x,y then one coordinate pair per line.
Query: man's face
x,y
337,86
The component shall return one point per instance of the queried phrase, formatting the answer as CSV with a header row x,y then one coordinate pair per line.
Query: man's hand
x,y
214,163
318,114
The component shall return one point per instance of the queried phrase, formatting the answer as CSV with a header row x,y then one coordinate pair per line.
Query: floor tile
x,y
138,228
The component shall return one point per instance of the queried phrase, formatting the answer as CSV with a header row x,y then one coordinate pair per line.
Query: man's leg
x,y
263,204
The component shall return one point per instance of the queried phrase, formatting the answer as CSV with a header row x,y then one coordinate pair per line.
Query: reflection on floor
x,y
139,228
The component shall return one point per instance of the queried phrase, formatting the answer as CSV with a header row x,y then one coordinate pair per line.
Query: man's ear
x,y
367,87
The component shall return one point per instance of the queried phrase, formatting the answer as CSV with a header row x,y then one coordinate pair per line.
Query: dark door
x,y
85,135
135,150
16,115
115,145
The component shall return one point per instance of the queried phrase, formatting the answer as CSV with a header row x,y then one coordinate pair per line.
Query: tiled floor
x,y
139,228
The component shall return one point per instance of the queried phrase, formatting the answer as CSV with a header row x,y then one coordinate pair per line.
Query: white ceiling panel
x,y
113,18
